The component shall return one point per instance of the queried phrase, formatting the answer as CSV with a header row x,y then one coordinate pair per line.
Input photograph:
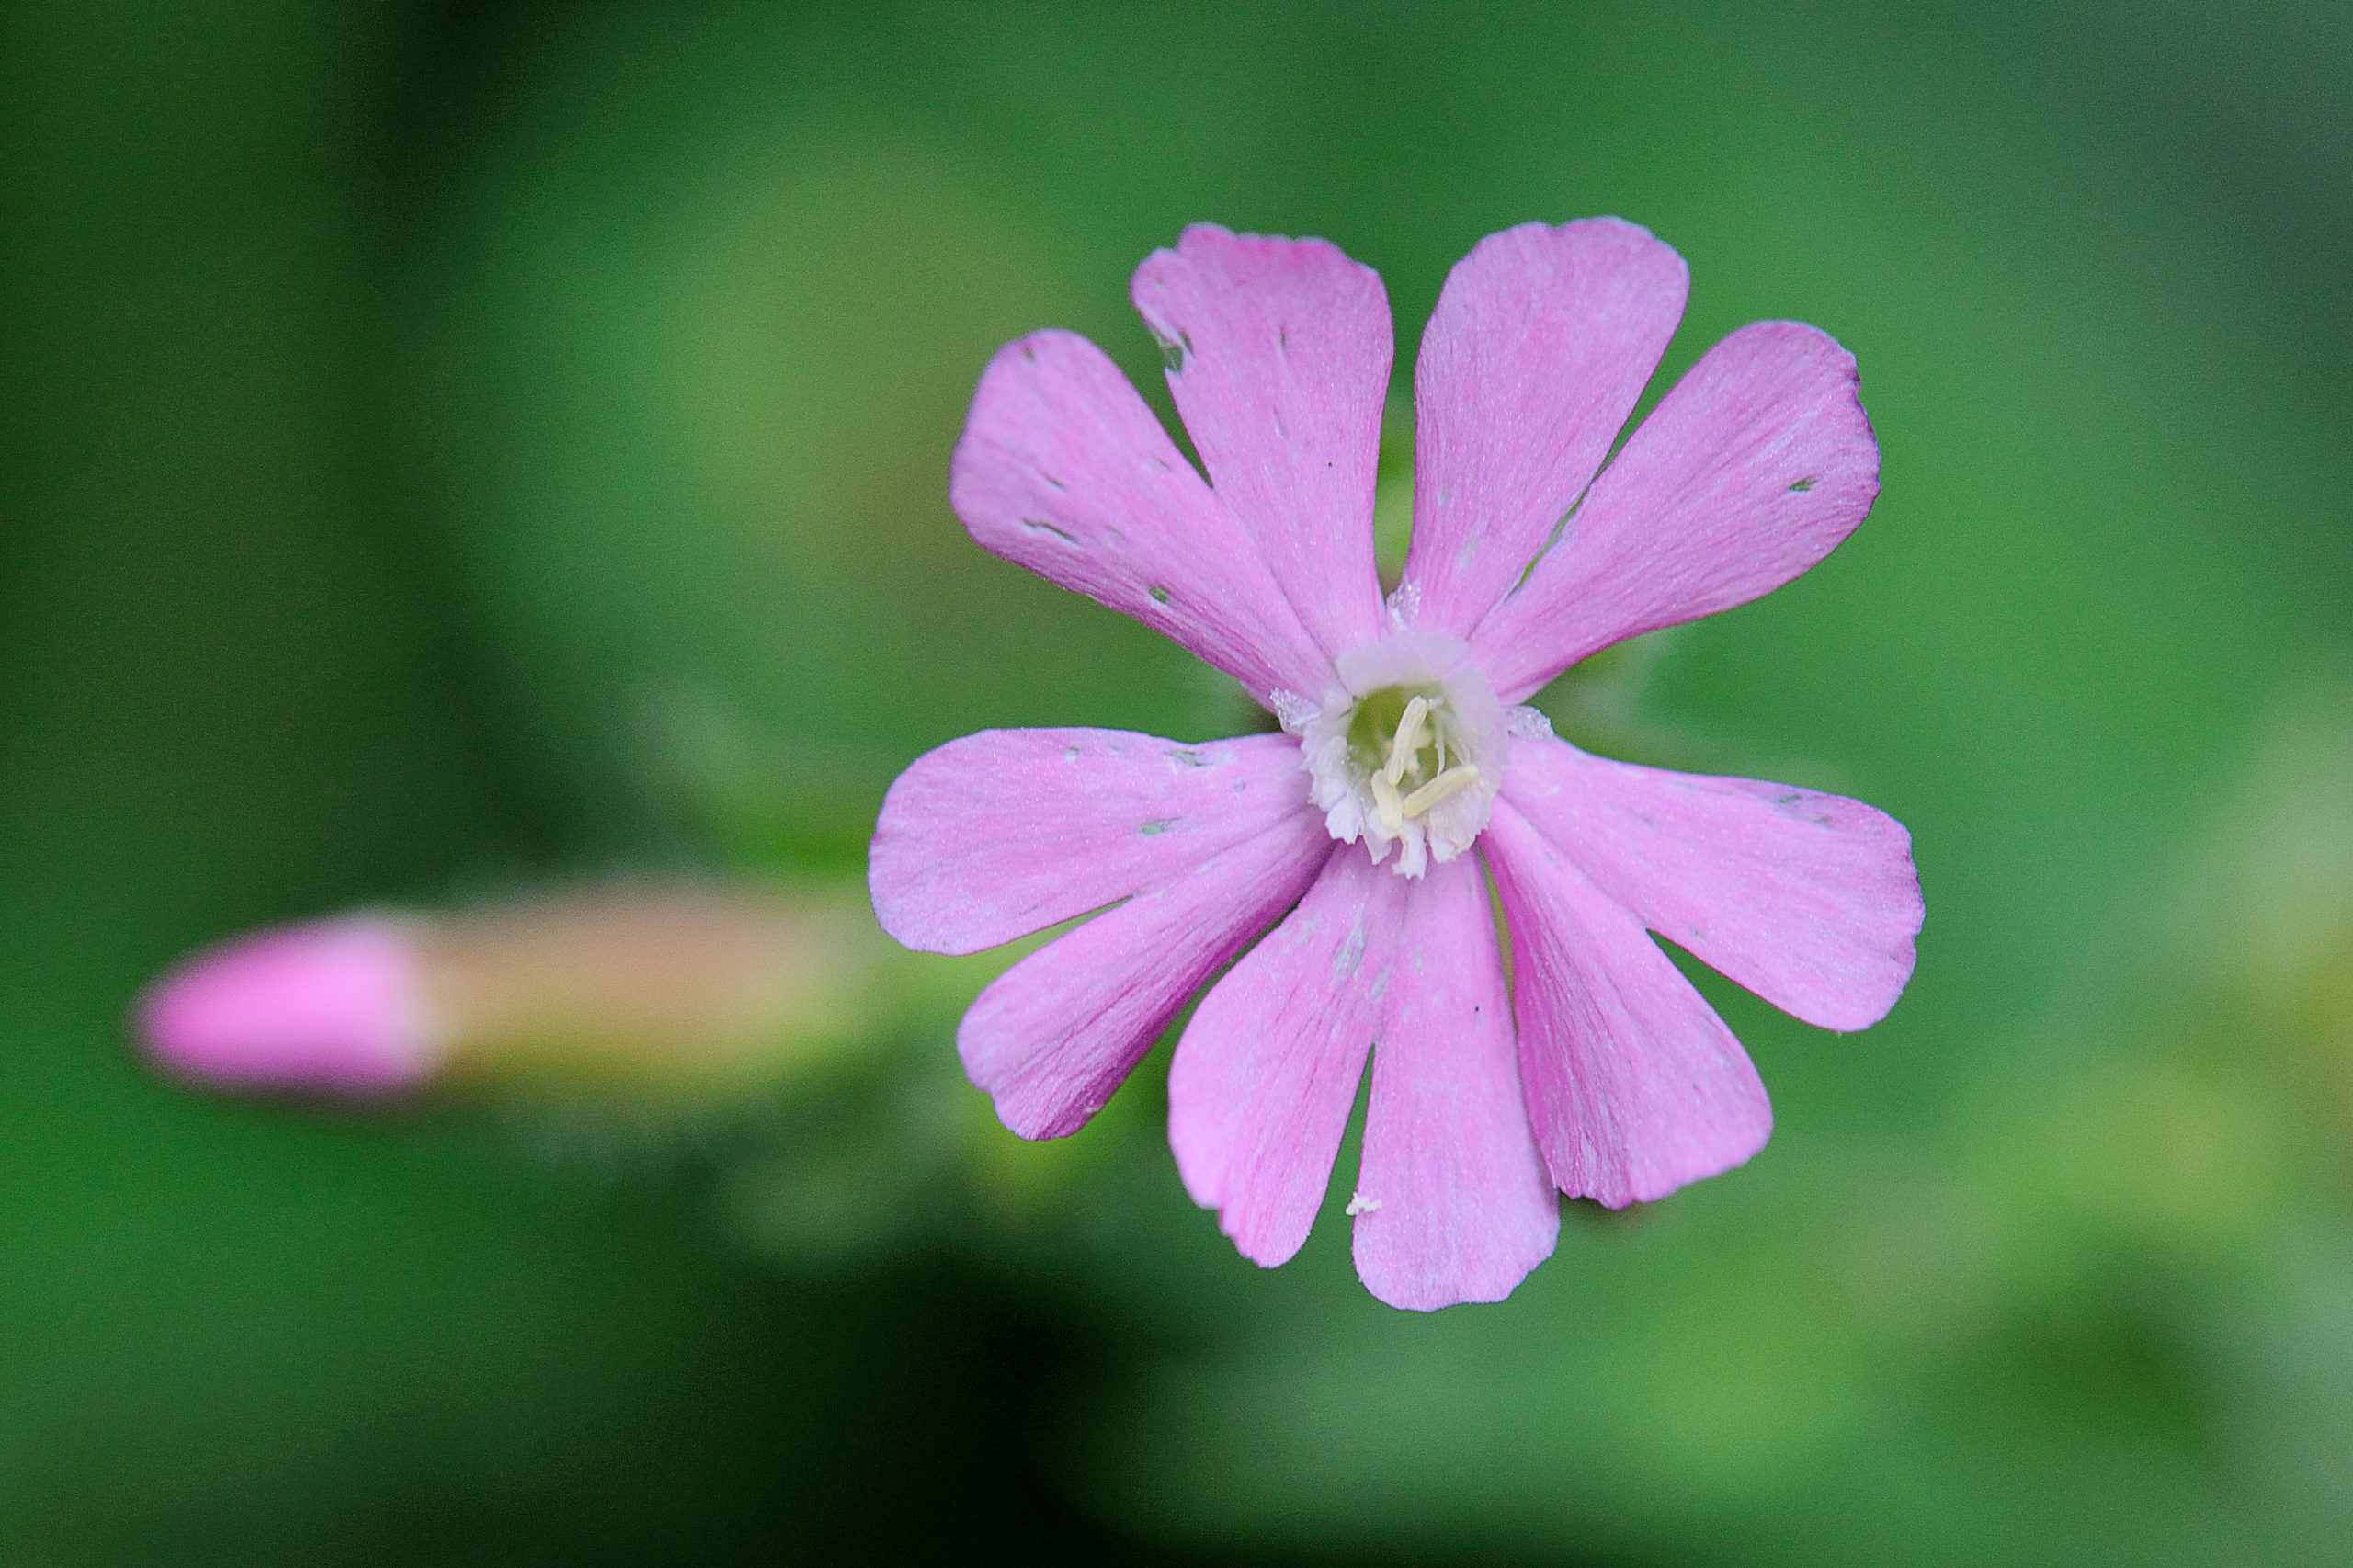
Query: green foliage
x,y
455,445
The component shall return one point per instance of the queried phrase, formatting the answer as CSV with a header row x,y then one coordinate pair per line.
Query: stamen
x,y
1408,741
1437,789
1404,752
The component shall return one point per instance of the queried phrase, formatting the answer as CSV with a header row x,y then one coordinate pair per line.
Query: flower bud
x,y
641,984
334,1007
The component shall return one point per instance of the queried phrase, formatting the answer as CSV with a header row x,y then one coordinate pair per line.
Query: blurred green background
x,y
445,447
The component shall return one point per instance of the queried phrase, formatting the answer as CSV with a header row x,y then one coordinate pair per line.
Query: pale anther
x,y
1385,802
1408,742
1439,788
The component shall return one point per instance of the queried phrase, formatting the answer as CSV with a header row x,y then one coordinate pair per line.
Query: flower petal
x,y
1453,1203
1634,1085
1809,900
1752,469
1056,1033
1266,1072
1008,831
1062,468
1542,340
1280,353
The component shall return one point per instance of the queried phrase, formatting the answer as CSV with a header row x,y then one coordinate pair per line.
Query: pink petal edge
x,y
1063,470
1056,1034
1809,900
1281,352
1755,467
1266,1072
1453,1203
1542,341
1008,831
1634,1085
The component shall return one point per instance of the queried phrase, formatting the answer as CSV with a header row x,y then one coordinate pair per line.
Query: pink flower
x,y
1405,771
642,985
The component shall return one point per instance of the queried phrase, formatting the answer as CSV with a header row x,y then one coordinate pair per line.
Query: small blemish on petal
x,y
1188,758
1157,825
1802,486
1070,753
1159,594
1037,526
1351,953
1360,1204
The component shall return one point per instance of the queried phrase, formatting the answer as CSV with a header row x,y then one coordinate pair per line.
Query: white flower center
x,y
1408,753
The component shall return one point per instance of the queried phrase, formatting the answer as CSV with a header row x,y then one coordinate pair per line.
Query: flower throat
x,y
1407,740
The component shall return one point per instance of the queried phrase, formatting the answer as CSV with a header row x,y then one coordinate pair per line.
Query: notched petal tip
x,y
1753,467
1905,914
1278,354
1212,271
1614,243
1809,900
1541,344
1062,468
1419,1294
1216,244
1266,1073
1454,1204
1634,1085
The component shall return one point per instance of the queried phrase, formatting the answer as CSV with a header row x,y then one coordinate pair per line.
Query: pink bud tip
x,y
332,1007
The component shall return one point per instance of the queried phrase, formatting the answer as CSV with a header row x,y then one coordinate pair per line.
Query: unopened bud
x,y
336,1007
650,985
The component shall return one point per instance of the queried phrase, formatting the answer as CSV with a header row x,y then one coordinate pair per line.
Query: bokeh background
x,y
447,448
